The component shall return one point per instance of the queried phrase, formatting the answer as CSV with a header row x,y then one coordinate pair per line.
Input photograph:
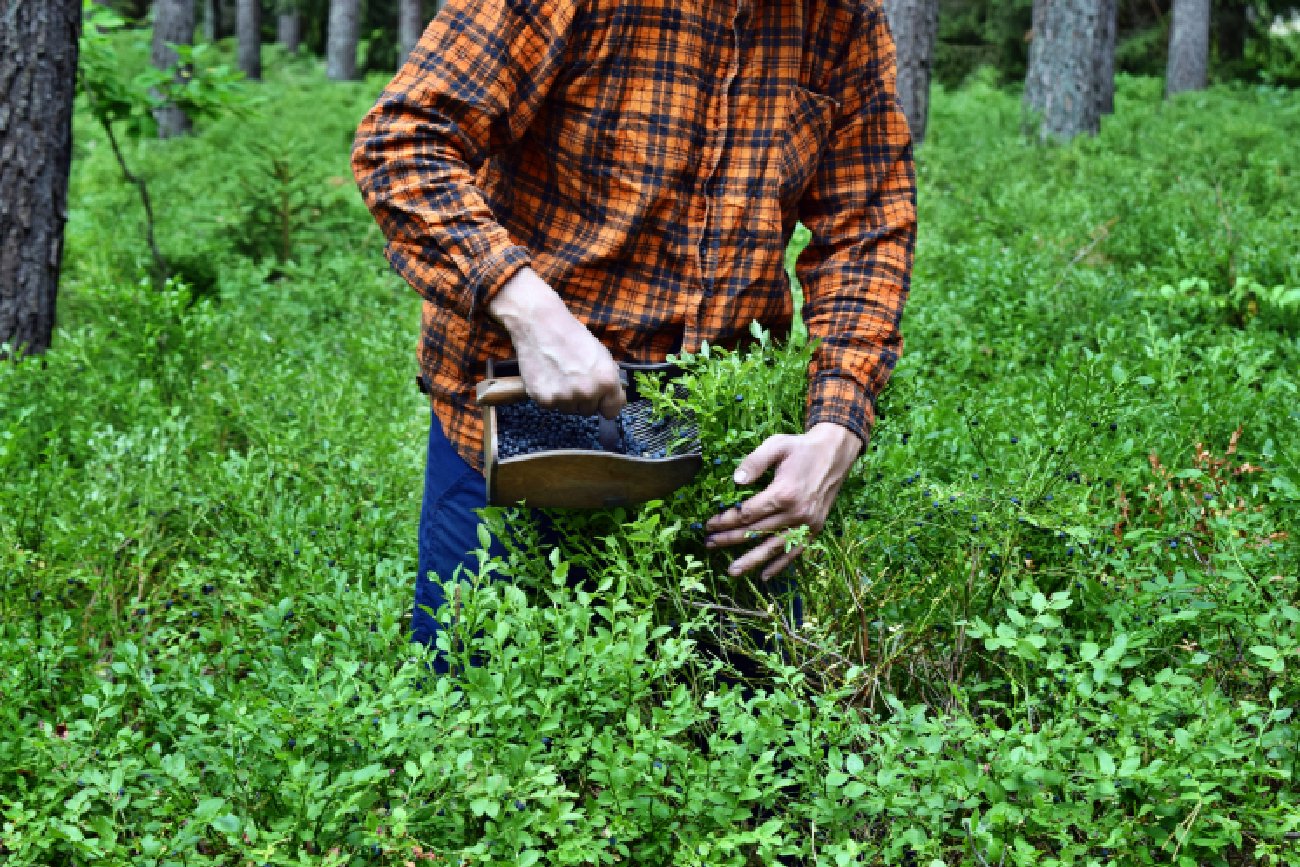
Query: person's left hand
x,y
809,469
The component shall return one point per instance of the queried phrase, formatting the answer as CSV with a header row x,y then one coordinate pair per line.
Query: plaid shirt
x,y
649,158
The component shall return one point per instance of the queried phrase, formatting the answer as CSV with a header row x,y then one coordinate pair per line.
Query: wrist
x,y
837,437
524,300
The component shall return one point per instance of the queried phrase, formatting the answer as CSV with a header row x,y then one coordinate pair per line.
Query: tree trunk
x,y
173,25
1035,84
341,49
915,24
250,38
1189,47
214,27
410,25
1106,68
288,30
38,78
1064,67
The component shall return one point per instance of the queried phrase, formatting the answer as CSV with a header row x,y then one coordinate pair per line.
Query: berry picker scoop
x,y
556,460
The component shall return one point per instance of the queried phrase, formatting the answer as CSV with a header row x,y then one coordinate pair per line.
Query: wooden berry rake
x,y
579,478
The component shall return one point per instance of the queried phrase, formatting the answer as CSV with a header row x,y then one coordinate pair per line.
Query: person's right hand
x,y
564,367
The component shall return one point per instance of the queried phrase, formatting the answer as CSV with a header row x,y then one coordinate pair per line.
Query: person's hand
x,y
809,470
564,367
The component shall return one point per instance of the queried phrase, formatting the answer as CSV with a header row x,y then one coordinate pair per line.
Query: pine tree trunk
x,y
915,25
1106,70
250,38
288,30
38,78
1064,67
410,25
341,47
1189,47
212,20
1035,83
173,25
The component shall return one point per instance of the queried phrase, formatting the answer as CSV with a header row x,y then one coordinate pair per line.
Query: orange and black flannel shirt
x,y
649,158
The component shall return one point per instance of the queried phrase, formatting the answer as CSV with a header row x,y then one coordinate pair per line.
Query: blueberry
x,y
697,526
740,398
1015,440
207,590
292,742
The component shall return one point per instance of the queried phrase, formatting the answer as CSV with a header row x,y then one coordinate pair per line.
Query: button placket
x,y
706,251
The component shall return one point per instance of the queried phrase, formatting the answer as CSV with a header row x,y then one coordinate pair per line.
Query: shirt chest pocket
x,y
808,121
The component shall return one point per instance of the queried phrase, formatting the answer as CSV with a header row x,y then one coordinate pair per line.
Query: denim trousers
x,y
448,537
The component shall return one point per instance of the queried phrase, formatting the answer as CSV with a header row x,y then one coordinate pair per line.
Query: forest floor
x,y
1054,621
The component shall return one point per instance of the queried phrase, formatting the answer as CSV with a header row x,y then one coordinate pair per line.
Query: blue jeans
x,y
453,493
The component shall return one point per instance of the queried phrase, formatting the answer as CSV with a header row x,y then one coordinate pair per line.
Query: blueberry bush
x,y
1054,619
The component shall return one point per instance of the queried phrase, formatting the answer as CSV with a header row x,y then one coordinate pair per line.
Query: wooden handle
x,y
502,390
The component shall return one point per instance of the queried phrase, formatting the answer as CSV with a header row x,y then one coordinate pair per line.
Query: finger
x,y
613,401
780,564
773,450
779,521
761,507
760,554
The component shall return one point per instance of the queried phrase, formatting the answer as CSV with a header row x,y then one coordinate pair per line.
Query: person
x,y
572,182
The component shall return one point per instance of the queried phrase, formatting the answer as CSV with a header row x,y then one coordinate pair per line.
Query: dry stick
x,y
159,262
1099,234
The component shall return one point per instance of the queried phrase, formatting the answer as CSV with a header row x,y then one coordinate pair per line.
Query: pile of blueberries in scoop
x,y
525,428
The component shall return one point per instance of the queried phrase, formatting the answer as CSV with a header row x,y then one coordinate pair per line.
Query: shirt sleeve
x,y
473,84
861,211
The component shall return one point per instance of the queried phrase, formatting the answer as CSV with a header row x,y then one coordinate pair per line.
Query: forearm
x,y
475,82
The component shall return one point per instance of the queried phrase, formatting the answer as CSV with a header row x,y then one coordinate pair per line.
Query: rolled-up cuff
x,y
492,272
844,402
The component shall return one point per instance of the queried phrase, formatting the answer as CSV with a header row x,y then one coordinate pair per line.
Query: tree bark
x,y
1106,65
212,23
1035,98
1189,47
915,25
1064,67
341,47
410,25
38,79
249,28
173,25
288,30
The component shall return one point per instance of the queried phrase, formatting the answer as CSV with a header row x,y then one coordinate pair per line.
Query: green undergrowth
x,y
1053,620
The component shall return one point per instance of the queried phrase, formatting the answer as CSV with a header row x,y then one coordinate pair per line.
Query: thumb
x,y
760,460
